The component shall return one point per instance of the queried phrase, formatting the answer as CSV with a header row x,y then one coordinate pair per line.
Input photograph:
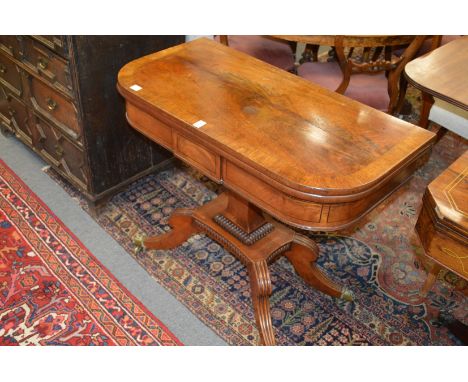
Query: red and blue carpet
x,y
377,260
53,291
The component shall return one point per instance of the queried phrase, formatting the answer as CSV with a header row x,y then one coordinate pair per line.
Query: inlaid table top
x,y
284,133
443,73
443,222
272,120
449,193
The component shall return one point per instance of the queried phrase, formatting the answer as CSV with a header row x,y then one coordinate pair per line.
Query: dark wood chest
x,y
58,95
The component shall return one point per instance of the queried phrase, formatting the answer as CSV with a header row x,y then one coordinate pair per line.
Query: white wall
x,y
193,37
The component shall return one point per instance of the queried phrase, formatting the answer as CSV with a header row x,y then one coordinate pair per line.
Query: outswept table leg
x,y
182,225
303,255
261,289
430,280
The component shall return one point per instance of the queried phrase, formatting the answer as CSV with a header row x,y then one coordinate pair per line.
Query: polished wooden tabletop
x,y
443,73
449,192
291,131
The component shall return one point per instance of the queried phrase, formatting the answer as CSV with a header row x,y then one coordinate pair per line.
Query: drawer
x,y
12,45
61,152
10,76
56,43
19,118
198,156
5,118
14,118
153,128
48,65
55,108
274,201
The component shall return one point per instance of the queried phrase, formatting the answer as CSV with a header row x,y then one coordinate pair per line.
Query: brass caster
x,y
347,294
139,242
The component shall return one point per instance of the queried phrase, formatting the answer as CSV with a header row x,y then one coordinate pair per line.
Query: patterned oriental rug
x,y
377,260
53,291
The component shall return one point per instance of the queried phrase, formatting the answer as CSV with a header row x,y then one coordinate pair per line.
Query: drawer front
x,y
56,43
274,201
5,117
10,76
14,118
48,65
20,121
154,129
12,45
198,156
55,108
61,152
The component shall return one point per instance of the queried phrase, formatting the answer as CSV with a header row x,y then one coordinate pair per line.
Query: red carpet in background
x,y
53,291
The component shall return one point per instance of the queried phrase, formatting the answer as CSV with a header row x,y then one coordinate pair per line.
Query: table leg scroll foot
x,y
138,242
182,225
261,289
347,294
302,255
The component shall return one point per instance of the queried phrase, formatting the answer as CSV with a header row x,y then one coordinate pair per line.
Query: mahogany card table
x,y
289,153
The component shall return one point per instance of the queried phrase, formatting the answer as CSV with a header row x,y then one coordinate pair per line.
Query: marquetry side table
x,y
443,222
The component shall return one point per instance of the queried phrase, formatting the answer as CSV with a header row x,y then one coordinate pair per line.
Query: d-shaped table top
x,y
302,135
308,156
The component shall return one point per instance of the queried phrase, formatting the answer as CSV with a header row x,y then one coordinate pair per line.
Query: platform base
x,y
246,221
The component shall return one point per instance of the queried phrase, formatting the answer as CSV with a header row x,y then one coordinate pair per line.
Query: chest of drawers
x,y
58,96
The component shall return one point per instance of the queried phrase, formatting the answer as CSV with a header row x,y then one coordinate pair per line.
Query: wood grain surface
x,y
273,130
443,73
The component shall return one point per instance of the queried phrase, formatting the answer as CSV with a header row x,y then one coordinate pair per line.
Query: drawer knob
x,y
58,150
3,69
42,63
51,104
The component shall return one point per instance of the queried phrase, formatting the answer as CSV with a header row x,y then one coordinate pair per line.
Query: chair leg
x,y
401,95
293,45
310,53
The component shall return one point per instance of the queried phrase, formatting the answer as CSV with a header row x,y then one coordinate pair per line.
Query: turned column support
x,y
245,215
